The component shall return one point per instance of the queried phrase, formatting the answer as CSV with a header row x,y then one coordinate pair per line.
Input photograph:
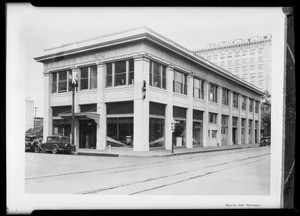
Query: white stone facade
x,y
144,47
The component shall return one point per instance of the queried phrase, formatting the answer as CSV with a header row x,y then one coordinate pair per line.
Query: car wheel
x,y
54,149
37,149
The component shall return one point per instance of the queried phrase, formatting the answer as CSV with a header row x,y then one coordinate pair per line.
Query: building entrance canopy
x,y
81,116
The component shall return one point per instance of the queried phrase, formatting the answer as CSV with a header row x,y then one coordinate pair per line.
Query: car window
x,y
49,139
64,139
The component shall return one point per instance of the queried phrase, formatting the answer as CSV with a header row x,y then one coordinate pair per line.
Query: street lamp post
x,y
74,85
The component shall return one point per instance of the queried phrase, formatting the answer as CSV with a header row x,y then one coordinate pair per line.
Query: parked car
x,y
55,144
264,141
31,141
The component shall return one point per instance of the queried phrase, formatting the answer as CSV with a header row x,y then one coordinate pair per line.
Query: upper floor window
x,y
252,60
215,56
252,75
252,51
260,82
157,75
88,77
213,93
237,69
260,59
225,97
213,118
198,88
120,73
244,61
260,74
235,100
244,68
61,82
237,54
236,62
243,102
260,66
250,105
180,83
256,106
260,50
244,52
252,67
229,55
222,56
229,63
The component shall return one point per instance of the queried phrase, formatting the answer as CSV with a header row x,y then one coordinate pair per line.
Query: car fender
x,y
39,145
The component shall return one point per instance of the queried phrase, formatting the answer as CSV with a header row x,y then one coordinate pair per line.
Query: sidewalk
x,y
128,152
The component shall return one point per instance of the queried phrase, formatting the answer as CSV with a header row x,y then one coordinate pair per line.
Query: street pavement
x,y
235,172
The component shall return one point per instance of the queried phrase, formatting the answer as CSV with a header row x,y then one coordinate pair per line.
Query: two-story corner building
x,y
134,84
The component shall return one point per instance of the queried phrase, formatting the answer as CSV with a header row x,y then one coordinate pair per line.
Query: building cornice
x,y
149,35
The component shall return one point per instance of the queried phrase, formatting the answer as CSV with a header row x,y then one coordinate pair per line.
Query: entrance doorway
x,y
87,134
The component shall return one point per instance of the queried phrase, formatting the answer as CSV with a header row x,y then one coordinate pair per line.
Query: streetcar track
x,y
191,178
166,176
140,165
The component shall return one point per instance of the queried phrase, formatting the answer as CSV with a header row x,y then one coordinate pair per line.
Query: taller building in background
x,y
249,59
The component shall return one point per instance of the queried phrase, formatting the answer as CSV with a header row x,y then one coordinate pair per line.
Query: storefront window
x,y
156,132
120,129
61,127
179,134
120,132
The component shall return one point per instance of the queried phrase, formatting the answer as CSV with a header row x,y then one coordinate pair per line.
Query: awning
x,y
81,115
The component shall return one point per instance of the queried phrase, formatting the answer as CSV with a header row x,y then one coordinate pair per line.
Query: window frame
x,y
200,89
183,89
113,73
161,75
225,97
68,80
214,93
235,100
214,118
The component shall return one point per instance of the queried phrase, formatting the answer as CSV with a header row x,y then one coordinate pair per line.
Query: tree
x,y
266,112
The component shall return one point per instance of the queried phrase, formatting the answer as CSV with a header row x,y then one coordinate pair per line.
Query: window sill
x,y
198,99
87,91
180,95
61,94
158,89
119,88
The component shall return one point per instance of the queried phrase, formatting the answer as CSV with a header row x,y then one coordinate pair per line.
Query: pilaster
x,y
205,115
239,121
47,125
169,107
230,119
247,122
219,119
101,106
189,119
141,105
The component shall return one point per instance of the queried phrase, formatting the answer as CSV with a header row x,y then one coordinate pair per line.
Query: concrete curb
x,y
153,156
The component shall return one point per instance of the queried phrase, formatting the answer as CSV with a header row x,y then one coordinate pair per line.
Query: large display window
x,y
120,132
197,128
61,127
156,124
179,134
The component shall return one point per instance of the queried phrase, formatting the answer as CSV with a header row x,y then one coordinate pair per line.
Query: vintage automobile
x,y
31,141
55,144
264,141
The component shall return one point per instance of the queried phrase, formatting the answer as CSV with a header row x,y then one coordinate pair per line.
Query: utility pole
x,y
34,123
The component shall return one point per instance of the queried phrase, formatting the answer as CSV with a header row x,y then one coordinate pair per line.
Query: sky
x,y
30,30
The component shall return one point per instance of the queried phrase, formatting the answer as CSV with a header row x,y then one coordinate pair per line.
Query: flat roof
x,y
136,34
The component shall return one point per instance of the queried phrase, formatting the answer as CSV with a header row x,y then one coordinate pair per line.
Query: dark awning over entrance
x,y
81,115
